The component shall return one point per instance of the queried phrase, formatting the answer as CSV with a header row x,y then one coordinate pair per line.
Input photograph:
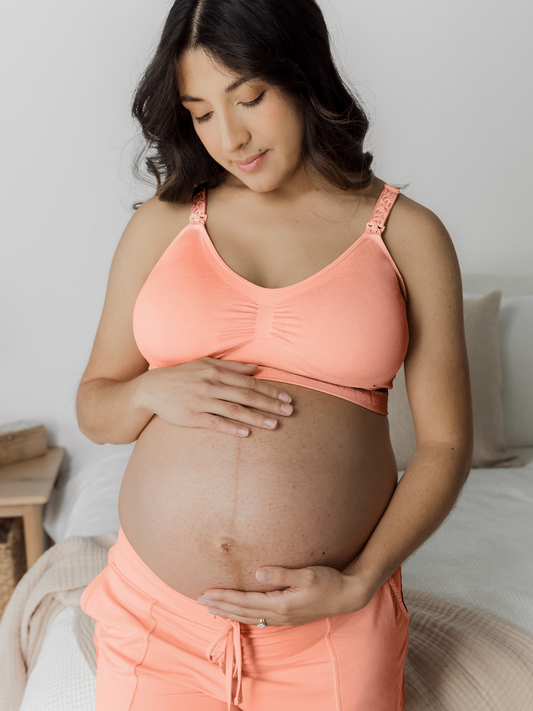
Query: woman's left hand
x,y
312,593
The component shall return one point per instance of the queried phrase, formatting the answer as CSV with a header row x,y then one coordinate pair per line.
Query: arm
x,y
438,387
110,403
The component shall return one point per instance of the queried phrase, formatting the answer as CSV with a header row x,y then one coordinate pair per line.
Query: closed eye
x,y
249,104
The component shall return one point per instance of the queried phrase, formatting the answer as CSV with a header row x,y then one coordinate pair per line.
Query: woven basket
x,y
12,557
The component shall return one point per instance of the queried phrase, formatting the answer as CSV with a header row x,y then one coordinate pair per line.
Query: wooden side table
x,y
24,487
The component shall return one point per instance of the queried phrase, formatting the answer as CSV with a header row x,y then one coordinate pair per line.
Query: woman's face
x,y
236,123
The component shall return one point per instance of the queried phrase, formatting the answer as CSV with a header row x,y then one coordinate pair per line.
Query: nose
x,y
233,134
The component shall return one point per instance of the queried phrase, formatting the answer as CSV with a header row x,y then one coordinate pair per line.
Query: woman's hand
x,y
313,593
209,393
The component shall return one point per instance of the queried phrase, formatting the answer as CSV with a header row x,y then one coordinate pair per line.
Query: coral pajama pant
x,y
159,650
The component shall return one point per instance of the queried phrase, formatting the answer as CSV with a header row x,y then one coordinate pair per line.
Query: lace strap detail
x,y
383,207
198,214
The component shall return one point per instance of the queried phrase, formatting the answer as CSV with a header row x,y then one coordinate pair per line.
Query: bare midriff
x,y
205,510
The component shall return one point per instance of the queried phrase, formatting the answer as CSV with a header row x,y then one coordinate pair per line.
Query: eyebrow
x,y
234,85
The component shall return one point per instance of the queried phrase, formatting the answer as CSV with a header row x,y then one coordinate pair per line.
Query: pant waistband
x,y
124,557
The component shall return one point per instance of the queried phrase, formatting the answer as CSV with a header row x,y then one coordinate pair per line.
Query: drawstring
x,y
226,658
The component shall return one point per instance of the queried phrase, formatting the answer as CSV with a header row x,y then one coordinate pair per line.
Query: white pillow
x,y
516,356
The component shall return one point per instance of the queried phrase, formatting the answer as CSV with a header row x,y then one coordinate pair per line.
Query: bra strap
x,y
382,209
198,214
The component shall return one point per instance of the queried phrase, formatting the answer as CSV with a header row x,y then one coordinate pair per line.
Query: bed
x,y
473,579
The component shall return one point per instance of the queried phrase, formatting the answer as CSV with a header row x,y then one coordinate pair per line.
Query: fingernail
x,y
201,601
263,575
287,409
285,397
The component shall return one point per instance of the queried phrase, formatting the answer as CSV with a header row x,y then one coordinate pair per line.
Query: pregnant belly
x,y
204,509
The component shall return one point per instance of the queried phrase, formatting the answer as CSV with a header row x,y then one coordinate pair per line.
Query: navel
x,y
225,545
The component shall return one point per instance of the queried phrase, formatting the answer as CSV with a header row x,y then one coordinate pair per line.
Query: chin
x,y
258,185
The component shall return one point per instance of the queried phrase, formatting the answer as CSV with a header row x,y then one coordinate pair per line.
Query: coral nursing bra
x,y
342,331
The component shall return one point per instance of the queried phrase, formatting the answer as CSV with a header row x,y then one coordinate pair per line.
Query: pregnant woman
x,y
259,306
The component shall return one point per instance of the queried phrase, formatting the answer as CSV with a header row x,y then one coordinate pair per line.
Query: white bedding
x,y
480,557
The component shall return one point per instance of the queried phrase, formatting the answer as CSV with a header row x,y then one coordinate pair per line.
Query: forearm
x,y
422,500
110,411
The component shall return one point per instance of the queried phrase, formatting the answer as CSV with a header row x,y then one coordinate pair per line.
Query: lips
x,y
248,160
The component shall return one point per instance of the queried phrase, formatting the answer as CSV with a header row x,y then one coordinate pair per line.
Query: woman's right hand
x,y
209,393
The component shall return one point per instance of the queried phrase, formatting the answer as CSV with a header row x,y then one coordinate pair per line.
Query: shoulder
x,y
151,229
422,248
155,220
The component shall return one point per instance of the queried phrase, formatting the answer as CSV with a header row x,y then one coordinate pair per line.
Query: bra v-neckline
x,y
251,285
303,282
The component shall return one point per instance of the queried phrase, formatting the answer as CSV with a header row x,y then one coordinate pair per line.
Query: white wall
x,y
447,86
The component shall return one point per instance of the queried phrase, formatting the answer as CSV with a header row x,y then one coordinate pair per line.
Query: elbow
x,y
87,432
85,428
455,454
100,438
463,448
105,420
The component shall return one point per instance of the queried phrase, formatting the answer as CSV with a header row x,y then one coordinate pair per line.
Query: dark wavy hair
x,y
282,42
